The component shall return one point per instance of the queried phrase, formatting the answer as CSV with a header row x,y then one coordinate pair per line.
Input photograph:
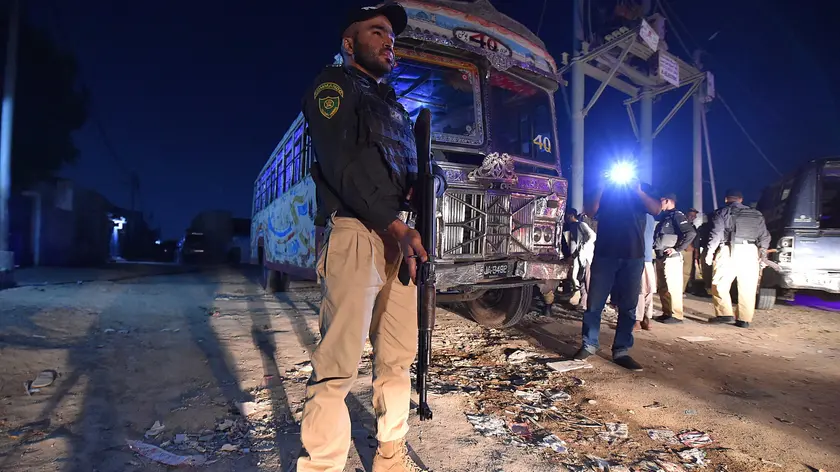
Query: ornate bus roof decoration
x,y
479,28
495,167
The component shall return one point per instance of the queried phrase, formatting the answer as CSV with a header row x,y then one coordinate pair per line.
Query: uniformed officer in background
x,y
672,236
737,242
689,257
366,160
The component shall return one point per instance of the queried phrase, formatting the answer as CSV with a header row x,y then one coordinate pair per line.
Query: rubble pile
x,y
526,399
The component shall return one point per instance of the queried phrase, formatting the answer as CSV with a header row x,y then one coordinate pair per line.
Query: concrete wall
x,y
73,228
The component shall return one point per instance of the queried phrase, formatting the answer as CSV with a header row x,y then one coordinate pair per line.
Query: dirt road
x,y
184,350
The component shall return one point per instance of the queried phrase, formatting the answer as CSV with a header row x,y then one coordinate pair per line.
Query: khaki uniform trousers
x,y
737,262
688,266
362,297
645,307
669,275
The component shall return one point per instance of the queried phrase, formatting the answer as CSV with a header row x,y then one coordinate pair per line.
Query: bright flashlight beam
x,y
622,172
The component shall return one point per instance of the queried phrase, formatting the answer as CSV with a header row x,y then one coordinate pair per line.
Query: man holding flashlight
x,y
622,205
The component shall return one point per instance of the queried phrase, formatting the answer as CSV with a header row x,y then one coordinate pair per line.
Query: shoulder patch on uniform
x,y
329,103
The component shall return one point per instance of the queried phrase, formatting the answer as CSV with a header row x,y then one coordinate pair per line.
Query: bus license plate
x,y
495,269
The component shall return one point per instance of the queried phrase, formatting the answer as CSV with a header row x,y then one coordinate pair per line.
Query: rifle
x,y
426,290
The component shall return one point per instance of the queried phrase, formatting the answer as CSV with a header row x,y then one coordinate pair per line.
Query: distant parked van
x,y
802,211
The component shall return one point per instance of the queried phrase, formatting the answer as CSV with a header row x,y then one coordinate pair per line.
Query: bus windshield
x,y
448,88
522,124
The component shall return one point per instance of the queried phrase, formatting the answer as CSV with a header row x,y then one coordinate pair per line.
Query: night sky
x,y
194,96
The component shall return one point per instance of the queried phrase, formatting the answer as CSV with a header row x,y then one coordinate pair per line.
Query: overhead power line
x,y
93,114
674,15
744,130
542,17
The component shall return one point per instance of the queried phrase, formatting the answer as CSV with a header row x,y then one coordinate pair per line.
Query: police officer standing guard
x,y
738,241
672,236
366,158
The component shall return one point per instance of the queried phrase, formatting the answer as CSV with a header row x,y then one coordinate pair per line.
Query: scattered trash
x,y
653,406
567,366
180,439
109,331
664,435
656,465
155,430
560,396
693,458
44,379
696,339
614,432
782,420
723,354
592,402
554,443
694,438
38,336
522,430
123,331
530,397
229,448
159,455
488,425
518,357
690,412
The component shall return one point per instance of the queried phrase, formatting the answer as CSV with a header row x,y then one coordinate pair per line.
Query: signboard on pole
x,y
669,70
649,36
710,87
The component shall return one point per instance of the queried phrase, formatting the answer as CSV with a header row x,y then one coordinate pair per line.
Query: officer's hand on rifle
x,y
411,245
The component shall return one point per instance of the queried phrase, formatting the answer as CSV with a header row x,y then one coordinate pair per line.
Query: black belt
x,y
342,213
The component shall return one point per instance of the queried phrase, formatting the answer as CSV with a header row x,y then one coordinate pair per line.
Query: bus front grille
x,y
479,224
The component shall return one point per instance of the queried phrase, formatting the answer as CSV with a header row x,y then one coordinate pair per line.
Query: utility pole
x,y
578,79
697,151
7,259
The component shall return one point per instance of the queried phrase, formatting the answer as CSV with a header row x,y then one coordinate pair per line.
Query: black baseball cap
x,y
693,210
394,12
670,196
734,193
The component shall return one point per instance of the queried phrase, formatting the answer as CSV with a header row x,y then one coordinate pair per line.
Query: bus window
x,y
289,166
298,154
830,197
308,156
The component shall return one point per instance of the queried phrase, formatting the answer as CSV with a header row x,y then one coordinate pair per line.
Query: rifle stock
x,y
426,290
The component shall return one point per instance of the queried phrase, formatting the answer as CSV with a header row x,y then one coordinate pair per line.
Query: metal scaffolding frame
x,y
609,64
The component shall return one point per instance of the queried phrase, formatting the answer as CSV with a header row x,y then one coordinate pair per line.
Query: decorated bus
x,y
489,84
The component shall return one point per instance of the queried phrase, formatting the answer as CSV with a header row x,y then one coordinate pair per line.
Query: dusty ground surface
x,y
183,349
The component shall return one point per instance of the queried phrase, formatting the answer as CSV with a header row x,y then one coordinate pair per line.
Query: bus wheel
x,y
766,298
268,279
501,308
274,281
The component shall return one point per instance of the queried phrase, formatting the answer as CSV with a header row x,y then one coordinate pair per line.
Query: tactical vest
x,y
667,232
389,127
745,225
